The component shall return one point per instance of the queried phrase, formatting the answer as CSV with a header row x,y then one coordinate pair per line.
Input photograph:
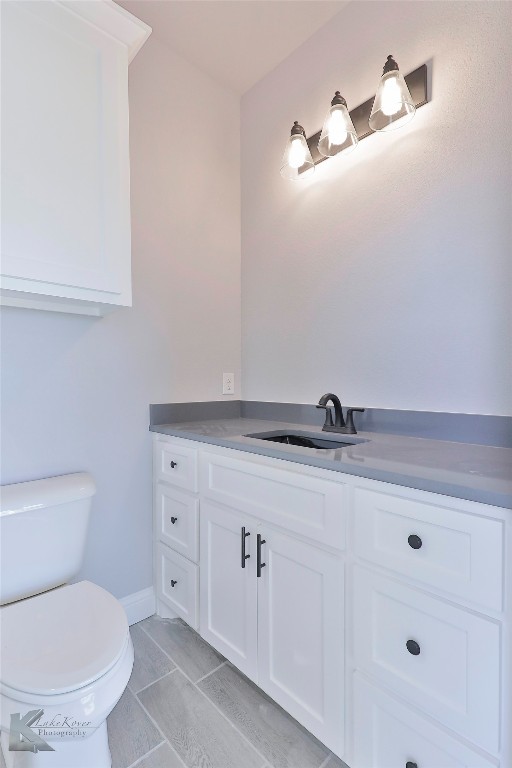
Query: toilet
x,y
66,652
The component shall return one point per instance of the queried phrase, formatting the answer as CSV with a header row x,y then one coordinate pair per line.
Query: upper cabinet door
x,y
65,153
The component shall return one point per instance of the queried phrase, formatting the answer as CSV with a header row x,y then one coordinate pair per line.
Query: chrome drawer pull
x,y
413,647
173,582
414,541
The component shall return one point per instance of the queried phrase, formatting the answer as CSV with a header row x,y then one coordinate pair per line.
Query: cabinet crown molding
x,y
113,19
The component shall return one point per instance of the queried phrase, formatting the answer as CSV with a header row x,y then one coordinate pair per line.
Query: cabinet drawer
x,y
449,550
291,497
178,584
389,735
443,659
175,464
177,520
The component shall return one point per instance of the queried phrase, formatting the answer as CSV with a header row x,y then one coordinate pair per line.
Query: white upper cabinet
x,y
65,154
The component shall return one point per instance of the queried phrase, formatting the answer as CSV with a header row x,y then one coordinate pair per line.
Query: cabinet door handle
x,y
413,647
259,564
415,542
174,520
174,464
410,764
244,536
173,582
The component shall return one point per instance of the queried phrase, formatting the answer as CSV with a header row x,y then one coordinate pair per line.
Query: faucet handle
x,y
328,416
351,430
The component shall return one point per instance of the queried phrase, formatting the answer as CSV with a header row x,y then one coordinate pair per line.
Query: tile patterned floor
x,y
187,707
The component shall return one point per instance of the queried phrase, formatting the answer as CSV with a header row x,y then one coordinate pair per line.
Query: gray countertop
x,y
464,470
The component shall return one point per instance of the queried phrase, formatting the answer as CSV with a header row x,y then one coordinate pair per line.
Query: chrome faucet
x,y
346,428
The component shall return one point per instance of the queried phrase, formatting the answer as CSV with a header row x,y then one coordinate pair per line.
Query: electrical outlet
x,y
228,383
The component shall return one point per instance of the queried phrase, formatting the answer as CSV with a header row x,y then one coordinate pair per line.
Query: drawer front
x,y
175,464
389,735
443,659
177,520
178,584
292,498
446,549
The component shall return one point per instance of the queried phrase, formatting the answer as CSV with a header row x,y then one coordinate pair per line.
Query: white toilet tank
x,y
43,528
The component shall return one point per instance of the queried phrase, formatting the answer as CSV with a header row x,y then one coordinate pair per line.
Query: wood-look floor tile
x,y
163,757
150,662
131,734
194,728
277,736
185,647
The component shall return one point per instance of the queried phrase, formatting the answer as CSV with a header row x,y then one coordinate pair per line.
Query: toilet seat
x,y
62,640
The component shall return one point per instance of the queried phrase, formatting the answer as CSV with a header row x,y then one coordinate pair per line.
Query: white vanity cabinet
x,y
380,616
65,154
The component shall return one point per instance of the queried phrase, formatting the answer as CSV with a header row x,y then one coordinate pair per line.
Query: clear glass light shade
x,y
297,161
338,133
393,105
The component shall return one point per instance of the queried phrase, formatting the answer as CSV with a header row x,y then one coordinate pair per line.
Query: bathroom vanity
x,y
378,614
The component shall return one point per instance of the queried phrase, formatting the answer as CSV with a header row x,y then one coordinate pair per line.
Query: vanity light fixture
x,y
297,156
393,106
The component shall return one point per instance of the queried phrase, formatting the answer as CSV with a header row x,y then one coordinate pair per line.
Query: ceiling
x,y
236,41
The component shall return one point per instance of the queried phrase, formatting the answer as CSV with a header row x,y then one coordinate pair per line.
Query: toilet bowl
x,y
66,653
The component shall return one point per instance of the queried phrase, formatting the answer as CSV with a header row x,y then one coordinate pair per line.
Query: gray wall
x,y
386,278
76,391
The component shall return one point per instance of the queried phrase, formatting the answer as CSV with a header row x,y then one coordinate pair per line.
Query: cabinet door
x,y
65,169
228,592
301,634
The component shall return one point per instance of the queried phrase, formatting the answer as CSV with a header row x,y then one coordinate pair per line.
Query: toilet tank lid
x,y
49,492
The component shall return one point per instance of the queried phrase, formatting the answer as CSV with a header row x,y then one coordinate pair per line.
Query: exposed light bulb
x,y
297,162
337,130
296,153
391,99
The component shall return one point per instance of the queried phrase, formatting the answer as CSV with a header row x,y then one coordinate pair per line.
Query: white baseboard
x,y
140,605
